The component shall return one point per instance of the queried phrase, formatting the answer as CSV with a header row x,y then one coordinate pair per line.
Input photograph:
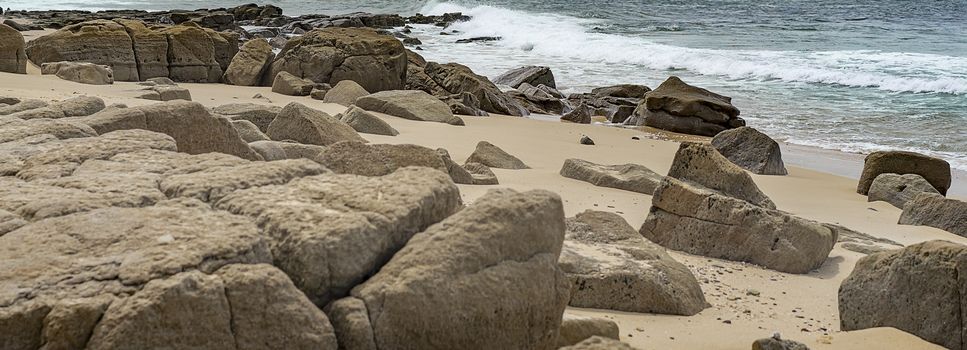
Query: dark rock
x,y
679,107
587,141
751,150
533,75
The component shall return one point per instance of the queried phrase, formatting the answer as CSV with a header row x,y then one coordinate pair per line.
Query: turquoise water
x,y
854,76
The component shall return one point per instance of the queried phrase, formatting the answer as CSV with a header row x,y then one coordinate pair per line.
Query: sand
x,y
801,307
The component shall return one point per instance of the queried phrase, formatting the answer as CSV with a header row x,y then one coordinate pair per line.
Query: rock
x,y
446,80
191,55
898,189
751,150
21,106
60,158
701,221
702,164
482,175
629,177
250,64
679,107
501,250
575,329
928,209
376,61
195,129
9,222
20,129
409,104
616,109
457,172
248,131
213,184
377,160
492,156
288,84
161,81
331,232
351,322
269,150
111,119
345,93
364,122
166,93
80,72
13,58
599,343
73,107
579,115
917,289
622,90
260,115
318,94
101,42
15,25
478,39
585,140
540,99
309,126
150,50
776,343
611,266
534,75
47,198
935,170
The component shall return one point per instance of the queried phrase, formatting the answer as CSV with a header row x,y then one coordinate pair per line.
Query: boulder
x,y
599,343
616,109
751,150
482,175
21,106
575,329
73,107
250,64
930,209
365,122
80,72
248,131
260,115
48,198
611,266
54,159
457,172
100,42
629,177
539,99
288,84
702,164
191,55
777,343
678,107
225,45
580,115
533,75
166,93
345,93
409,104
472,269
452,79
195,129
377,160
13,58
214,183
331,232
622,90
898,189
490,155
918,289
309,126
698,220
376,61
585,140
150,50
57,129
935,170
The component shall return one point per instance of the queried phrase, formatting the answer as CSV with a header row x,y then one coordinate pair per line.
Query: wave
x,y
564,37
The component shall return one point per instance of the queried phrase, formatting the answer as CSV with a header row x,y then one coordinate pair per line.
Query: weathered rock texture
x,y
409,104
287,84
927,209
302,124
260,115
250,64
345,93
380,159
702,164
490,155
629,177
533,75
80,72
575,329
936,171
898,189
13,58
365,122
751,150
599,343
679,107
482,175
453,81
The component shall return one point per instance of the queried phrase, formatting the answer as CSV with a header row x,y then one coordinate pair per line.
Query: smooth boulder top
x,y
622,90
750,149
309,126
930,209
490,155
409,104
345,93
365,122
287,84
702,164
898,189
533,75
80,72
260,115
934,170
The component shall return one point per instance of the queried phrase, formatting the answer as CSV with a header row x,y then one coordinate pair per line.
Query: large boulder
x,y
260,115
409,104
376,61
679,107
331,232
365,122
250,64
191,55
751,150
150,49
377,160
214,183
898,189
453,79
629,177
489,274
345,93
611,266
698,220
195,129
934,170
166,93
248,131
302,124
13,58
533,75
702,164
539,99
490,155
287,84
100,42
918,289
930,209
80,72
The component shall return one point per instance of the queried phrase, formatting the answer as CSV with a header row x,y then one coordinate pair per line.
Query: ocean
x,y
848,75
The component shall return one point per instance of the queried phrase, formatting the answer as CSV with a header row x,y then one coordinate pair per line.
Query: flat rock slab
x,y
409,104
629,177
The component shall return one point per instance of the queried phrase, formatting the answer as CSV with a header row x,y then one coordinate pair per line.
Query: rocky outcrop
x,y
345,93
539,99
928,209
100,42
581,115
575,329
150,49
450,81
918,289
678,107
898,189
457,172
936,171
214,183
250,64
533,75
751,150
377,160
365,122
481,261
702,164
260,115
13,58
629,177
611,266
73,107
698,220
302,124
288,84
80,72
409,104
191,55
616,109
488,154
376,61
